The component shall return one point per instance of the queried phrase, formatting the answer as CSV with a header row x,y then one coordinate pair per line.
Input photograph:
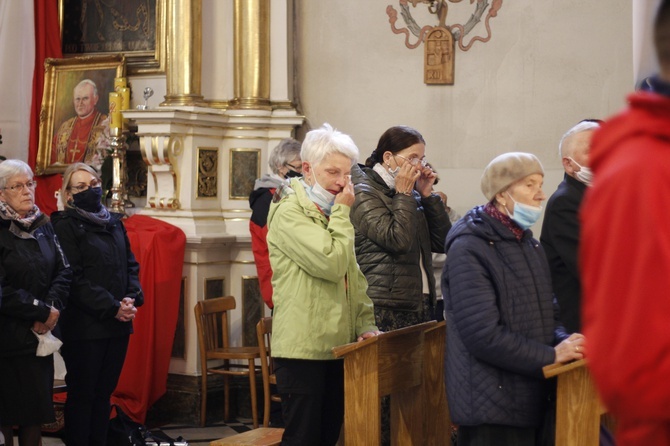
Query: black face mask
x,y
292,174
89,200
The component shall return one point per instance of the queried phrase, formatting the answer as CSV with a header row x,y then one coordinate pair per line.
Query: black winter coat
x,y
502,323
560,240
394,232
104,272
34,275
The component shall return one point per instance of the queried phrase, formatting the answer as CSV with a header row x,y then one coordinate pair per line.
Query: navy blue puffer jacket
x,y
502,323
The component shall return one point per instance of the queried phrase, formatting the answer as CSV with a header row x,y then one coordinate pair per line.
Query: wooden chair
x,y
264,333
211,317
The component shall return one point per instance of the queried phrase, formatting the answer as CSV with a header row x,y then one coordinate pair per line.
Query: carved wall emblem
x,y
208,162
440,40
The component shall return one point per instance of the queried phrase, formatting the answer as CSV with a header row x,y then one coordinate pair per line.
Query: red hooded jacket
x,y
625,261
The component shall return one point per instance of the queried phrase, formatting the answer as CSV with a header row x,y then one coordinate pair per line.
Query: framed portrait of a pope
x,y
74,120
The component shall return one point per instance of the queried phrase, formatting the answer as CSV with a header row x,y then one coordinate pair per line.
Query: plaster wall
x,y
547,66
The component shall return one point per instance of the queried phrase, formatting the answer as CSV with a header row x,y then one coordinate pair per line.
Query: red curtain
x,y
159,249
47,44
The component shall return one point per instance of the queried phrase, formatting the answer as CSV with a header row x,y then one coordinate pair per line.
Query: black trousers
x,y
312,398
93,370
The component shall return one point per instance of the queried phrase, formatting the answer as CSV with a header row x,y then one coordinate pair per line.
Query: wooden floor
x,y
195,435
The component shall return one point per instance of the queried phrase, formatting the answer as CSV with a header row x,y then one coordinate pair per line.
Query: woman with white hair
x,y
320,298
502,320
35,278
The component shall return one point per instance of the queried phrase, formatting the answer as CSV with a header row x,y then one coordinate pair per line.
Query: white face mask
x,y
321,196
585,175
393,172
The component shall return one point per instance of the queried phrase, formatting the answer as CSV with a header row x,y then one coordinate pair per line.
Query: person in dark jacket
x,y
105,292
399,221
35,279
502,321
285,163
560,227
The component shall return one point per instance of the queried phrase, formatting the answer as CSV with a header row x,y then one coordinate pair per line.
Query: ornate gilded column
x,y
184,54
251,28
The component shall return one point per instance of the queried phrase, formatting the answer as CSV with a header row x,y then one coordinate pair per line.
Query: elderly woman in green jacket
x,y
320,298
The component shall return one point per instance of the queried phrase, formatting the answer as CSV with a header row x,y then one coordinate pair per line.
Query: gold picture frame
x,y
245,167
134,28
57,116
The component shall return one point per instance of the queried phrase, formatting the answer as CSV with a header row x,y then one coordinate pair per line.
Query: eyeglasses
x,y
415,161
19,187
297,168
83,187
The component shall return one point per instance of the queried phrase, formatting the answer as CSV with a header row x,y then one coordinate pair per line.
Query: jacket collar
x,y
574,182
361,174
71,213
478,223
296,191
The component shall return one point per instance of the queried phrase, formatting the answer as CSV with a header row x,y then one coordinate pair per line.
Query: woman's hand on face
x,y
570,349
346,195
425,182
406,178
368,334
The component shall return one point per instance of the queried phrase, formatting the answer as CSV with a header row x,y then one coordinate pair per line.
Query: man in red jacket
x,y
625,255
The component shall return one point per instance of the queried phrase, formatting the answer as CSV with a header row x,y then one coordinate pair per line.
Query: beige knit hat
x,y
507,169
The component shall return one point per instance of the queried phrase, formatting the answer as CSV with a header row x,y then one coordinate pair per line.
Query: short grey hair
x,y
10,168
286,151
88,82
582,126
325,141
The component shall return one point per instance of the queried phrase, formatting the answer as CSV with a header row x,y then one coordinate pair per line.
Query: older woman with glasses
x,y
35,280
104,295
399,221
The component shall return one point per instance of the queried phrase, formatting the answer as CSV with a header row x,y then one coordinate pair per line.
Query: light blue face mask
x,y
524,215
321,197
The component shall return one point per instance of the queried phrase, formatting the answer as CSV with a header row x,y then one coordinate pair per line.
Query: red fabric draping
x,y
47,44
159,249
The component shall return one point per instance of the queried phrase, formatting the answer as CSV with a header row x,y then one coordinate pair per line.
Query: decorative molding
x,y
442,73
208,165
156,152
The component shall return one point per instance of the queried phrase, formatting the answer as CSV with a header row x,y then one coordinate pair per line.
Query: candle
x,y
119,82
125,98
115,110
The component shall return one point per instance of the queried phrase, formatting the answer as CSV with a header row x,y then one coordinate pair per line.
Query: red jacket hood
x,y
647,113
